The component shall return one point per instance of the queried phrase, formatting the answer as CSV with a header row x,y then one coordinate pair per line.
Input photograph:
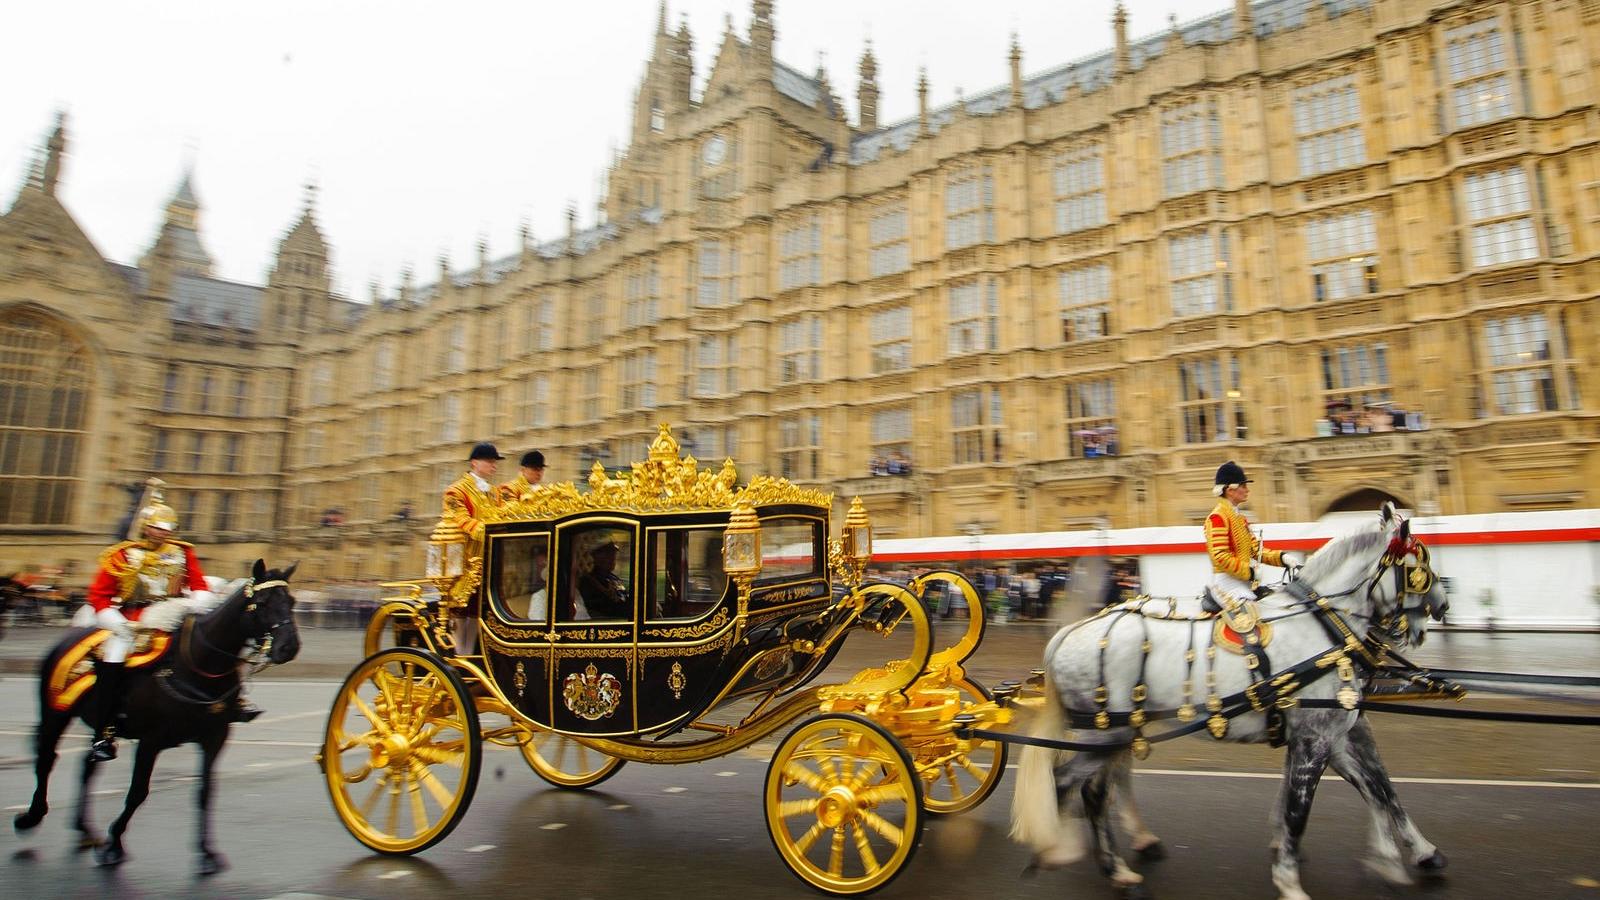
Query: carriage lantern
x,y
741,544
858,534
447,554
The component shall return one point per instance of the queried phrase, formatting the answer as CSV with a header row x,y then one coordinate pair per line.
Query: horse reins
x,y
250,588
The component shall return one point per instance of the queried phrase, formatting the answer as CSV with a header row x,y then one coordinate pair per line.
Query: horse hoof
x,y
211,864
1152,852
110,856
26,821
1433,864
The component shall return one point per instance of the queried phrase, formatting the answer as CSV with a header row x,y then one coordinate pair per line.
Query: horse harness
x,y
1268,692
217,703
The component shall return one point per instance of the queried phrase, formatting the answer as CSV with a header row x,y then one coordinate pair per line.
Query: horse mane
x,y
1339,550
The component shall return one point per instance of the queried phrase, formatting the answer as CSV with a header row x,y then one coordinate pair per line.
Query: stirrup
x,y
104,749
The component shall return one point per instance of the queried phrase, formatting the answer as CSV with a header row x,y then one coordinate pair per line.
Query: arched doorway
x,y
44,398
1362,502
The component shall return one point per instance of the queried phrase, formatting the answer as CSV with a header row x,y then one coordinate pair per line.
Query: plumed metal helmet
x,y
1230,473
158,515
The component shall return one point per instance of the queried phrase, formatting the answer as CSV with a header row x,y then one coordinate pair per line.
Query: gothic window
x,y
241,393
974,316
1084,293
718,265
891,437
639,380
1342,251
1529,369
1355,376
888,237
642,299
800,446
969,208
1191,144
975,425
1210,400
1500,212
1198,268
890,334
1327,125
1478,72
716,365
383,365
800,253
44,389
169,389
230,454
1091,422
800,349
1080,189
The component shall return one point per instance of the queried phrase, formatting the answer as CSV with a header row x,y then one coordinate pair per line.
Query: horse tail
x,y
1035,811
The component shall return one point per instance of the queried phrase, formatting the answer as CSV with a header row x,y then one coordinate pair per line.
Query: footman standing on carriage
x,y
527,480
136,578
463,501
1234,550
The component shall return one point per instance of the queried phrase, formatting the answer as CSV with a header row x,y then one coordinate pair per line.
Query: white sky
x,y
424,123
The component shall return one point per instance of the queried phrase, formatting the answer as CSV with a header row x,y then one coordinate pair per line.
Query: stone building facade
x,y
1059,303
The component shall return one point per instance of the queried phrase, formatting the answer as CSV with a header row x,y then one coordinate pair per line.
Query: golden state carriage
x,y
667,614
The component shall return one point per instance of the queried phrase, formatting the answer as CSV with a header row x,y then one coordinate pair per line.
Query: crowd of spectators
x,y
896,463
1341,418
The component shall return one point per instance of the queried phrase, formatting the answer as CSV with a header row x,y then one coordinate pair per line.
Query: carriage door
x,y
596,625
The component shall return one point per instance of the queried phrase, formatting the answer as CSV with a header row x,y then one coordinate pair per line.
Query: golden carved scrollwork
x,y
691,631
666,482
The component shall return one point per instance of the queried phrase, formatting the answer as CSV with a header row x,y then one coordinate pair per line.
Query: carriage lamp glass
x,y
857,533
447,551
741,543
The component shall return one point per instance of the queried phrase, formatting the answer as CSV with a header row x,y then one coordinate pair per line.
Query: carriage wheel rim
x,y
843,804
565,762
401,751
965,781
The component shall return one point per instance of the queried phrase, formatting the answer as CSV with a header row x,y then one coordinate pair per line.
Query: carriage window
x,y
788,549
600,575
686,578
520,581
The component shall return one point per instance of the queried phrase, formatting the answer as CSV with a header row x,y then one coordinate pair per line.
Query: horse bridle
x,y
258,658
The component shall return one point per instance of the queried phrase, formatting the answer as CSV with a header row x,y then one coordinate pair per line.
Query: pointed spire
x,y
922,99
55,148
1119,24
867,89
763,34
572,226
661,18
185,192
1244,20
525,236
1016,70
374,292
309,200
1174,35
407,285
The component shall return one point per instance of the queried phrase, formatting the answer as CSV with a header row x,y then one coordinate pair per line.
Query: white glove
x,y
202,601
114,621
1293,559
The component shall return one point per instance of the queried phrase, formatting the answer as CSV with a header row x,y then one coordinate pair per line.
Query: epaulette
x,y
109,557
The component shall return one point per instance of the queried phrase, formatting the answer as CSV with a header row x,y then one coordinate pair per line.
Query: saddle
x,y
72,675
1240,630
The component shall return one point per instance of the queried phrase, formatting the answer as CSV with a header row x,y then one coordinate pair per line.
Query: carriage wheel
x,y
966,780
394,624
402,751
844,804
566,763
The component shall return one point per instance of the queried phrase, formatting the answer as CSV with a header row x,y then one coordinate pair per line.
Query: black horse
x,y
184,698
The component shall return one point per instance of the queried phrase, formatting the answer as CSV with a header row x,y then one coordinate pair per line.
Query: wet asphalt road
x,y
1516,808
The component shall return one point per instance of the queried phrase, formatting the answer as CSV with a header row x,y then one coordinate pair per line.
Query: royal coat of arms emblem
x,y
592,695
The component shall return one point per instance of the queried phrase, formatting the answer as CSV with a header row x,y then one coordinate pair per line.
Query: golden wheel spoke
x,y
419,813
883,826
810,837
836,853
392,828
830,772
371,803
979,772
869,860
378,724
883,793
956,793
798,772
440,755
440,792
790,808
358,775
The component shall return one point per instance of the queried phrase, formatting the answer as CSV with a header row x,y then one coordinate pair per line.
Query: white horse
x,y
1373,582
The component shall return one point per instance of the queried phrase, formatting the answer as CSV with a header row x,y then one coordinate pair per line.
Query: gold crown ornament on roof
x,y
664,482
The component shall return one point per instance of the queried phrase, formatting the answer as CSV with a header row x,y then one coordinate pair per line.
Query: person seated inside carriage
x,y
604,594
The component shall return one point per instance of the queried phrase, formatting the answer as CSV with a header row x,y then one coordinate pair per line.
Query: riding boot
x,y
108,702
243,710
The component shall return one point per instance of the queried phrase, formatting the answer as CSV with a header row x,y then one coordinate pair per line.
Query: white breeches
x,y
165,615
1229,586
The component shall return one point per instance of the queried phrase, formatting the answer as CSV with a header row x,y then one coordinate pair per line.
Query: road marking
x,y
674,790
553,826
481,848
612,806
16,808
319,713
726,774
250,743
1461,782
397,873
258,765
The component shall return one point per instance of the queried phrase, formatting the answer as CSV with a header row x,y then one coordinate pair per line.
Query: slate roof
x,y
1090,73
198,300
